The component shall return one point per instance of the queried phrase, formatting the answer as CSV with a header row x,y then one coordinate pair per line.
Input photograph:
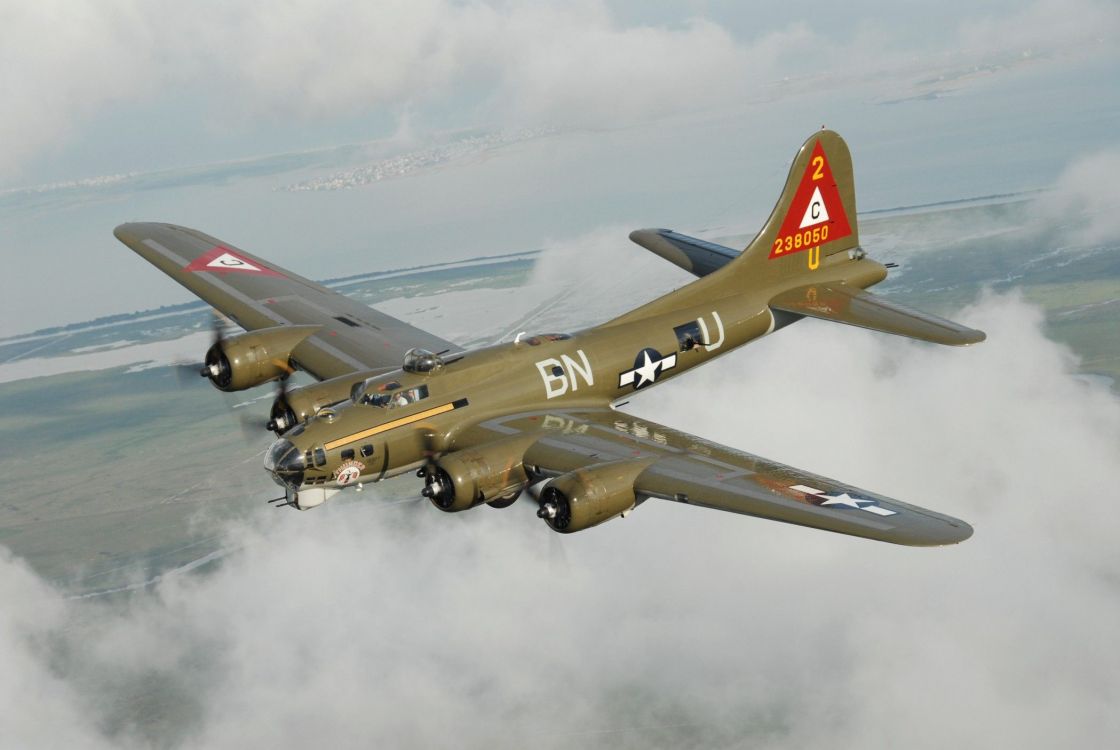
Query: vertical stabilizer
x,y
812,235
815,217
805,261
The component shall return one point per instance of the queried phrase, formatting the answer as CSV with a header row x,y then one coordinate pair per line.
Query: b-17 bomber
x,y
542,415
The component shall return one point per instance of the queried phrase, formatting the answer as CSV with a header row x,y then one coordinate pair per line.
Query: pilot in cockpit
x,y
388,395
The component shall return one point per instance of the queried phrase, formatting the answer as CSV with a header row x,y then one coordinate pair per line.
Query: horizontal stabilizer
x,y
698,257
861,308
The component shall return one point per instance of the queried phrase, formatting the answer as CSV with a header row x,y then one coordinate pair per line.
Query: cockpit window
x,y
376,399
407,396
422,360
369,390
392,398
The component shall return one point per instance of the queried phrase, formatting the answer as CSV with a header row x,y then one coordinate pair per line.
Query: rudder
x,y
815,216
811,235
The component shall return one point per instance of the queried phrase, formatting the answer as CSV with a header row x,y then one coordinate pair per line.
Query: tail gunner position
x,y
483,426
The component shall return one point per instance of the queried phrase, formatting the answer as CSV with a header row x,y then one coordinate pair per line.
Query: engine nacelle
x,y
250,359
470,477
586,497
301,404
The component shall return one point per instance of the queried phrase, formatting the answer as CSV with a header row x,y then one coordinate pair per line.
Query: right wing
x,y
257,294
688,469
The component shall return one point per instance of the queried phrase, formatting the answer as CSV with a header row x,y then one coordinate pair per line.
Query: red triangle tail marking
x,y
816,214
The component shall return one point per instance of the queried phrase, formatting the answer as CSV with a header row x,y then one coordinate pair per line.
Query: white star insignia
x,y
842,499
647,372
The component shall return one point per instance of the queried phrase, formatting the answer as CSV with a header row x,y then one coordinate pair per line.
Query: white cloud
x,y
1085,201
42,709
564,69
560,278
61,63
356,625
66,62
568,61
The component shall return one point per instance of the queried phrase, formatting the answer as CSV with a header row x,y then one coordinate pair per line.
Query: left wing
x,y
688,469
258,294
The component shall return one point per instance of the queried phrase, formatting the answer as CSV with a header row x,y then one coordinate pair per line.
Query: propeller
x,y
557,557
215,366
253,425
281,418
437,485
188,371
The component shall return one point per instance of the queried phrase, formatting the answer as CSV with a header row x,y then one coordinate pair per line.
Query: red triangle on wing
x,y
220,259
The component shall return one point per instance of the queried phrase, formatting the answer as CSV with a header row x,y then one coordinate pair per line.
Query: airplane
x,y
542,414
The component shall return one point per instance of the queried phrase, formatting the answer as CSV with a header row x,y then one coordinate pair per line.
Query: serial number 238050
x,y
800,240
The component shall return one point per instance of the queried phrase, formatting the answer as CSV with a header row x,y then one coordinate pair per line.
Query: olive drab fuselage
x,y
594,367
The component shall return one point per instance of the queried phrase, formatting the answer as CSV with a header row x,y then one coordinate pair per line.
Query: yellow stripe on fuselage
x,y
390,425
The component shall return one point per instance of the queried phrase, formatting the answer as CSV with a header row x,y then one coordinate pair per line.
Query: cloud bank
x,y
363,625
256,64
65,62
1084,200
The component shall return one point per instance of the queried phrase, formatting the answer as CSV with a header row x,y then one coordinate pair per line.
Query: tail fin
x,y
805,260
812,227
815,217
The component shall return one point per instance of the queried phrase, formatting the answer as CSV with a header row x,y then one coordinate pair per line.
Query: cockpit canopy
x,y
376,391
422,360
387,395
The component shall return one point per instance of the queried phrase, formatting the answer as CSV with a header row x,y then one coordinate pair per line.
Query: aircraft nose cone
x,y
292,462
285,462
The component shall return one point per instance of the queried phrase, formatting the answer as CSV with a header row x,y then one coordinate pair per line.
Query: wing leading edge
x,y
257,294
694,471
